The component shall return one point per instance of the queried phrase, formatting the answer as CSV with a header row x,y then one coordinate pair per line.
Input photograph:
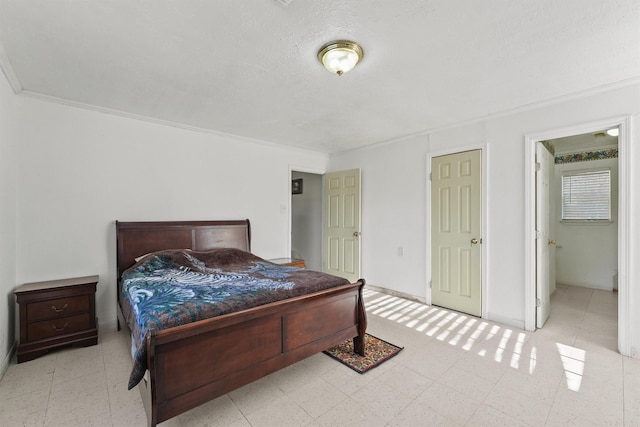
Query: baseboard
x,y
5,363
396,293
110,325
507,321
587,285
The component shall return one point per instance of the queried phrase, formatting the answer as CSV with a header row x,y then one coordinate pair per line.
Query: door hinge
x,y
538,302
429,284
538,166
430,176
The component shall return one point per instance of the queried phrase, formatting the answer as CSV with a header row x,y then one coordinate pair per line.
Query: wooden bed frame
x,y
237,348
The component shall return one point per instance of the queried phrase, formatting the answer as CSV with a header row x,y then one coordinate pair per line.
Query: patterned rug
x,y
377,351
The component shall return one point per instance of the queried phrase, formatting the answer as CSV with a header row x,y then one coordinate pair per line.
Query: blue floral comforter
x,y
176,287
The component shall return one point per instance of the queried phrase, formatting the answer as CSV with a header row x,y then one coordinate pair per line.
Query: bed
x,y
235,348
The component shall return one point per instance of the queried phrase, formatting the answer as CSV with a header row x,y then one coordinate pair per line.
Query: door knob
x,y
474,241
356,234
552,242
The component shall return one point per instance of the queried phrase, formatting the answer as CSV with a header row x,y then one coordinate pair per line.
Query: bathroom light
x,y
340,56
612,132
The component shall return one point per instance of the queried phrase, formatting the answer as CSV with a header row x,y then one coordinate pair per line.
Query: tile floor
x,y
455,370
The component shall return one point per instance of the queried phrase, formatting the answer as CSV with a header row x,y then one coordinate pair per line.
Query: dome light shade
x,y
340,56
612,132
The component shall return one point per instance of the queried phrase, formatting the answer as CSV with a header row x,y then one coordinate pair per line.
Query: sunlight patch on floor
x,y
573,360
533,360
448,326
475,335
502,344
466,328
517,351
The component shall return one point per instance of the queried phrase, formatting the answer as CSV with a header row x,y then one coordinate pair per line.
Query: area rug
x,y
377,351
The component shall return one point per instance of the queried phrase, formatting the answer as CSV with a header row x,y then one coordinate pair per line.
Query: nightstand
x,y
291,262
56,313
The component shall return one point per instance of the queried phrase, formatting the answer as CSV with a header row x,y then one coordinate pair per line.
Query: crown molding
x,y
114,112
8,72
634,81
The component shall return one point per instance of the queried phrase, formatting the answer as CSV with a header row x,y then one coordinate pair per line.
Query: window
x,y
586,196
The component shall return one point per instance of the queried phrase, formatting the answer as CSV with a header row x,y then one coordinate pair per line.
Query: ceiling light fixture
x,y
340,56
612,132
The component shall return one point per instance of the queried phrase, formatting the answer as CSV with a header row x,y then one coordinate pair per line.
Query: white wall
x,y
587,254
81,170
394,198
8,161
393,213
306,221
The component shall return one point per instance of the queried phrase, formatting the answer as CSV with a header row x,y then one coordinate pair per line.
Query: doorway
x,y
306,218
580,236
570,237
325,221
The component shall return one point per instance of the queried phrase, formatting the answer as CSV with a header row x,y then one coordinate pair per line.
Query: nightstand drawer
x,y
56,327
56,308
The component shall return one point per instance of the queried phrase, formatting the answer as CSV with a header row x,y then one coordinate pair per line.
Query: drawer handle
x,y
61,329
58,310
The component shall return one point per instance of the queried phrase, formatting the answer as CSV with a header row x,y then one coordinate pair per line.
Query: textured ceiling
x,y
249,68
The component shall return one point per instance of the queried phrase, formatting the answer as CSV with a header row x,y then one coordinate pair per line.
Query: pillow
x,y
137,259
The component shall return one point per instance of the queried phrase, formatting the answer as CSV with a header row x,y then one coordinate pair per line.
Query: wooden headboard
x,y
139,238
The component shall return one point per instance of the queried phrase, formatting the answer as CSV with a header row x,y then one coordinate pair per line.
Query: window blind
x,y
586,196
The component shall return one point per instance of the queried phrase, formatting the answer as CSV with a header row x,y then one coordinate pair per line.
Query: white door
x,y
456,223
545,246
342,224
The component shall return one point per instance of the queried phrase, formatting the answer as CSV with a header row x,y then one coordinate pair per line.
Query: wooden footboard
x,y
192,364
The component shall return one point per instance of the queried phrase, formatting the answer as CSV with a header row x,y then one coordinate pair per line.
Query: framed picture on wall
x,y
296,186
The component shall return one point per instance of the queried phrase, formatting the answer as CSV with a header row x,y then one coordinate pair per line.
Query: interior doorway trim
x,y
624,217
484,189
